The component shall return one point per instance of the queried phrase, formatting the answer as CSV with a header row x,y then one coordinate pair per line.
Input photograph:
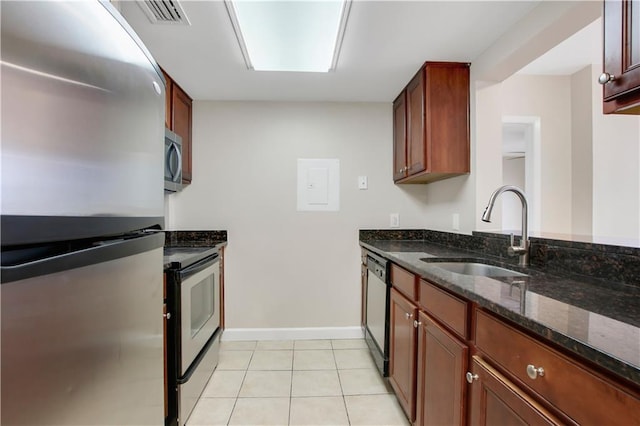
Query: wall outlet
x,y
394,220
363,182
455,222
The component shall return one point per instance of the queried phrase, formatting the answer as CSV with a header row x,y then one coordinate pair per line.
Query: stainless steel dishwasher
x,y
377,311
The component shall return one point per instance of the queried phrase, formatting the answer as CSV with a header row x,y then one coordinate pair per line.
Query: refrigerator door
x,y
82,124
83,344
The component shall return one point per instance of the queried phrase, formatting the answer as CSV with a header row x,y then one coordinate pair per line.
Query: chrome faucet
x,y
523,249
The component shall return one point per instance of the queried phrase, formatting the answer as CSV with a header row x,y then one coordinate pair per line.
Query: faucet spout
x,y
523,249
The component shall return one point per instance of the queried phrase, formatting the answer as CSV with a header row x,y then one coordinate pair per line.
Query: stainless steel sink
x,y
473,268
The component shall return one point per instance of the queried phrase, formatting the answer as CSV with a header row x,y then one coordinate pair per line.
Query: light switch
x,y
362,182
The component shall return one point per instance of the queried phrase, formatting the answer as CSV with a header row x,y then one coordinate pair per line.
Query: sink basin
x,y
473,268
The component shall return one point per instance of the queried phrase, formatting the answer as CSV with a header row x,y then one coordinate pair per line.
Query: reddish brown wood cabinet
x,y
402,354
431,124
182,105
178,118
400,137
442,365
621,73
554,377
494,400
454,363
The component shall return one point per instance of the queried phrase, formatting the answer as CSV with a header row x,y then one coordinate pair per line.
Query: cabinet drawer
x,y
571,387
404,282
445,307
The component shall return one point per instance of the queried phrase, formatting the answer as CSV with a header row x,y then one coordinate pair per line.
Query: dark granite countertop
x,y
599,322
184,248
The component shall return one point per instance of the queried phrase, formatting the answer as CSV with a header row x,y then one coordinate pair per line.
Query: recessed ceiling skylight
x,y
289,35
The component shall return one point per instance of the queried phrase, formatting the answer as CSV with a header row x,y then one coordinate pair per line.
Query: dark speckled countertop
x,y
184,248
599,322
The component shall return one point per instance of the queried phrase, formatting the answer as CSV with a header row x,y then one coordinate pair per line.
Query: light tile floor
x,y
301,382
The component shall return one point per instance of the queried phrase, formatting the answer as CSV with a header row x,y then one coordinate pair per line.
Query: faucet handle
x,y
511,240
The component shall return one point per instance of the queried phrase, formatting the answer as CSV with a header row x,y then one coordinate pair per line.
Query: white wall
x,y
547,97
513,173
616,175
582,106
286,268
290,269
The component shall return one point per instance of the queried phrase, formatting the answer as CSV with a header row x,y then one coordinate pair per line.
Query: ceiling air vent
x,y
164,12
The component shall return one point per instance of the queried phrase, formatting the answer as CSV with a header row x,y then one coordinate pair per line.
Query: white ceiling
x,y
385,43
581,49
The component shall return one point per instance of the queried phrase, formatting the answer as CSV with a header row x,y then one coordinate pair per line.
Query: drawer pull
x,y
533,372
416,324
471,377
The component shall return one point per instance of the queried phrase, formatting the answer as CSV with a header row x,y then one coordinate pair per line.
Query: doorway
x,y
521,168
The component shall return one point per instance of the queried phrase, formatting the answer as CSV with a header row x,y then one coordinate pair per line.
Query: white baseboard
x,y
234,334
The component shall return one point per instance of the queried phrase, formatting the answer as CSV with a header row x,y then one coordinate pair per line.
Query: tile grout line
x,y
293,357
344,401
235,403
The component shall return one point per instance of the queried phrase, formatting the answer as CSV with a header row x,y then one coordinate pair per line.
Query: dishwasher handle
x,y
377,268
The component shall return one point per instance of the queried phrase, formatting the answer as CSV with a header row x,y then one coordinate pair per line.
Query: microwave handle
x,y
174,148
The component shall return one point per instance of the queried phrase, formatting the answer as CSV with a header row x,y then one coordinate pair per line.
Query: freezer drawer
x,y
83,346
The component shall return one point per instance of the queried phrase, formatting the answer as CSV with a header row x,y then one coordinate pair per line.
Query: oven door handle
x,y
202,265
194,365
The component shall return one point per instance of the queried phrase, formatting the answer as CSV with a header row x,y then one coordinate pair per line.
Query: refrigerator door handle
x,y
36,261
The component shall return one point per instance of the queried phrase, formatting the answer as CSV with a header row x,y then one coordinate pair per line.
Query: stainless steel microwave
x,y
172,161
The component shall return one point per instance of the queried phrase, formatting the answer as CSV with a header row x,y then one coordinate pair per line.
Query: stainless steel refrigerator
x,y
82,141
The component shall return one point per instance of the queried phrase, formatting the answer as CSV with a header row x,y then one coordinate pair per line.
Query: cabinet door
x,y
494,400
621,52
363,295
181,118
168,113
416,149
402,356
442,365
446,132
400,137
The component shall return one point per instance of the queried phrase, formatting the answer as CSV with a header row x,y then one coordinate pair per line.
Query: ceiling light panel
x,y
289,35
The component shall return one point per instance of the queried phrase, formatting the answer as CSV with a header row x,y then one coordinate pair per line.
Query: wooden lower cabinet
x,y
442,365
494,400
454,363
402,357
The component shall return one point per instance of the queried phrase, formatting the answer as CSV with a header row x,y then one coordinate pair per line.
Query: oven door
x,y
199,308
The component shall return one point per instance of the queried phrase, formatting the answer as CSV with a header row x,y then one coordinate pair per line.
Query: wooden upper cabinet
x,y
436,143
415,146
400,137
182,105
178,119
168,123
621,57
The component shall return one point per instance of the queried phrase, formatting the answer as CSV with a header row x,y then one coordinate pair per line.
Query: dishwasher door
x,y
377,314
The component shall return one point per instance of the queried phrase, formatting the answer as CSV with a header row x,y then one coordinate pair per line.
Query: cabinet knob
x,y
167,315
533,372
407,315
471,377
605,78
416,323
